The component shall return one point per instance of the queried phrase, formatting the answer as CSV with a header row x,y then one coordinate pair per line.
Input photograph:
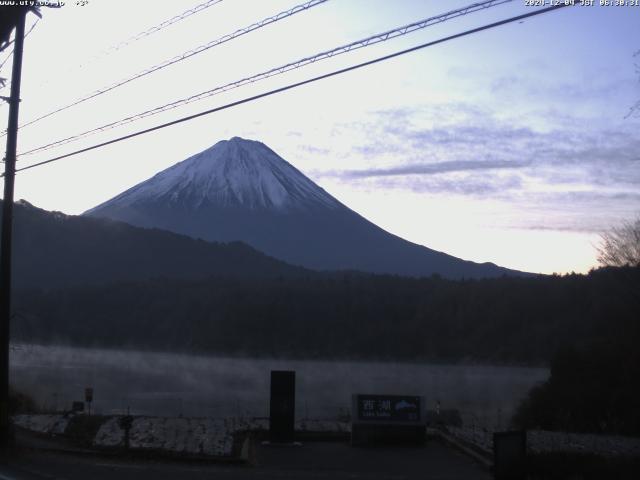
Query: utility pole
x,y
6,434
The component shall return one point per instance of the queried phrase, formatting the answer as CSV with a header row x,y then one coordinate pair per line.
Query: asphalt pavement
x,y
311,460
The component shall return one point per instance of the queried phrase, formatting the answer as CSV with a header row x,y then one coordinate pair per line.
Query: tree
x,y
620,246
592,389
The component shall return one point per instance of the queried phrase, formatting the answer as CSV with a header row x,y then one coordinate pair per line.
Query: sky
x,y
517,145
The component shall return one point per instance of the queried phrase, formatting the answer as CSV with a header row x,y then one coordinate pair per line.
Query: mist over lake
x,y
176,384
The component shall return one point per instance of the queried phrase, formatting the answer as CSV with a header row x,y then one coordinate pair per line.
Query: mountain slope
x,y
56,250
242,190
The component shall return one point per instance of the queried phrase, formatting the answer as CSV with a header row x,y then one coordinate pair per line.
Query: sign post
x,y
88,397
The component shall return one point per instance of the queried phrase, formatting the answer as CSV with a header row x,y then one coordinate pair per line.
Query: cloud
x,y
585,198
528,84
429,168
589,211
577,152
556,170
469,185
314,150
476,135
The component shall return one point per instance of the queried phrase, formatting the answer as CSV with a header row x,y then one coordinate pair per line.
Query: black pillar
x,y
282,407
510,455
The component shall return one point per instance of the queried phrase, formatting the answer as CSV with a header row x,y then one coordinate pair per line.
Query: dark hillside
x,y
56,250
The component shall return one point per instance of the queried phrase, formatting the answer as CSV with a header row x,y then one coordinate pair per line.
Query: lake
x,y
178,384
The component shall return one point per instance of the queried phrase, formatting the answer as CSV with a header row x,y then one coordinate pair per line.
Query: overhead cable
x,y
366,42
145,33
298,84
188,54
162,25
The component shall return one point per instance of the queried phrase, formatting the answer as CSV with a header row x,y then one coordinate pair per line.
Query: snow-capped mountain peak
x,y
233,173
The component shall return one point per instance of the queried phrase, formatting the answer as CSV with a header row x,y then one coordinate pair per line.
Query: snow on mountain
x,y
232,173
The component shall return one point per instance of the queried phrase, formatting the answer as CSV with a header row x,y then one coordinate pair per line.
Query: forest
x,y
507,320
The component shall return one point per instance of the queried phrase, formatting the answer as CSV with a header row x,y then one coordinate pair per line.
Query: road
x,y
312,460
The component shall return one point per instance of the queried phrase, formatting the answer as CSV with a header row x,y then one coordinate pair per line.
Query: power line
x,y
299,84
162,25
190,53
372,40
156,28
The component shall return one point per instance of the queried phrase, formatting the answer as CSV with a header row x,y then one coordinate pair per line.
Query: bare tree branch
x,y
621,245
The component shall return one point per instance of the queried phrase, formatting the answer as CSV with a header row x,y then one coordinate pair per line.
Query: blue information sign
x,y
388,408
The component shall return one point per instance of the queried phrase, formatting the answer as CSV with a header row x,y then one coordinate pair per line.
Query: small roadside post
x,y
88,398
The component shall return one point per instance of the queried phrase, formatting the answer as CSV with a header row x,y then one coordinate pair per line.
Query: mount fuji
x,y
242,190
